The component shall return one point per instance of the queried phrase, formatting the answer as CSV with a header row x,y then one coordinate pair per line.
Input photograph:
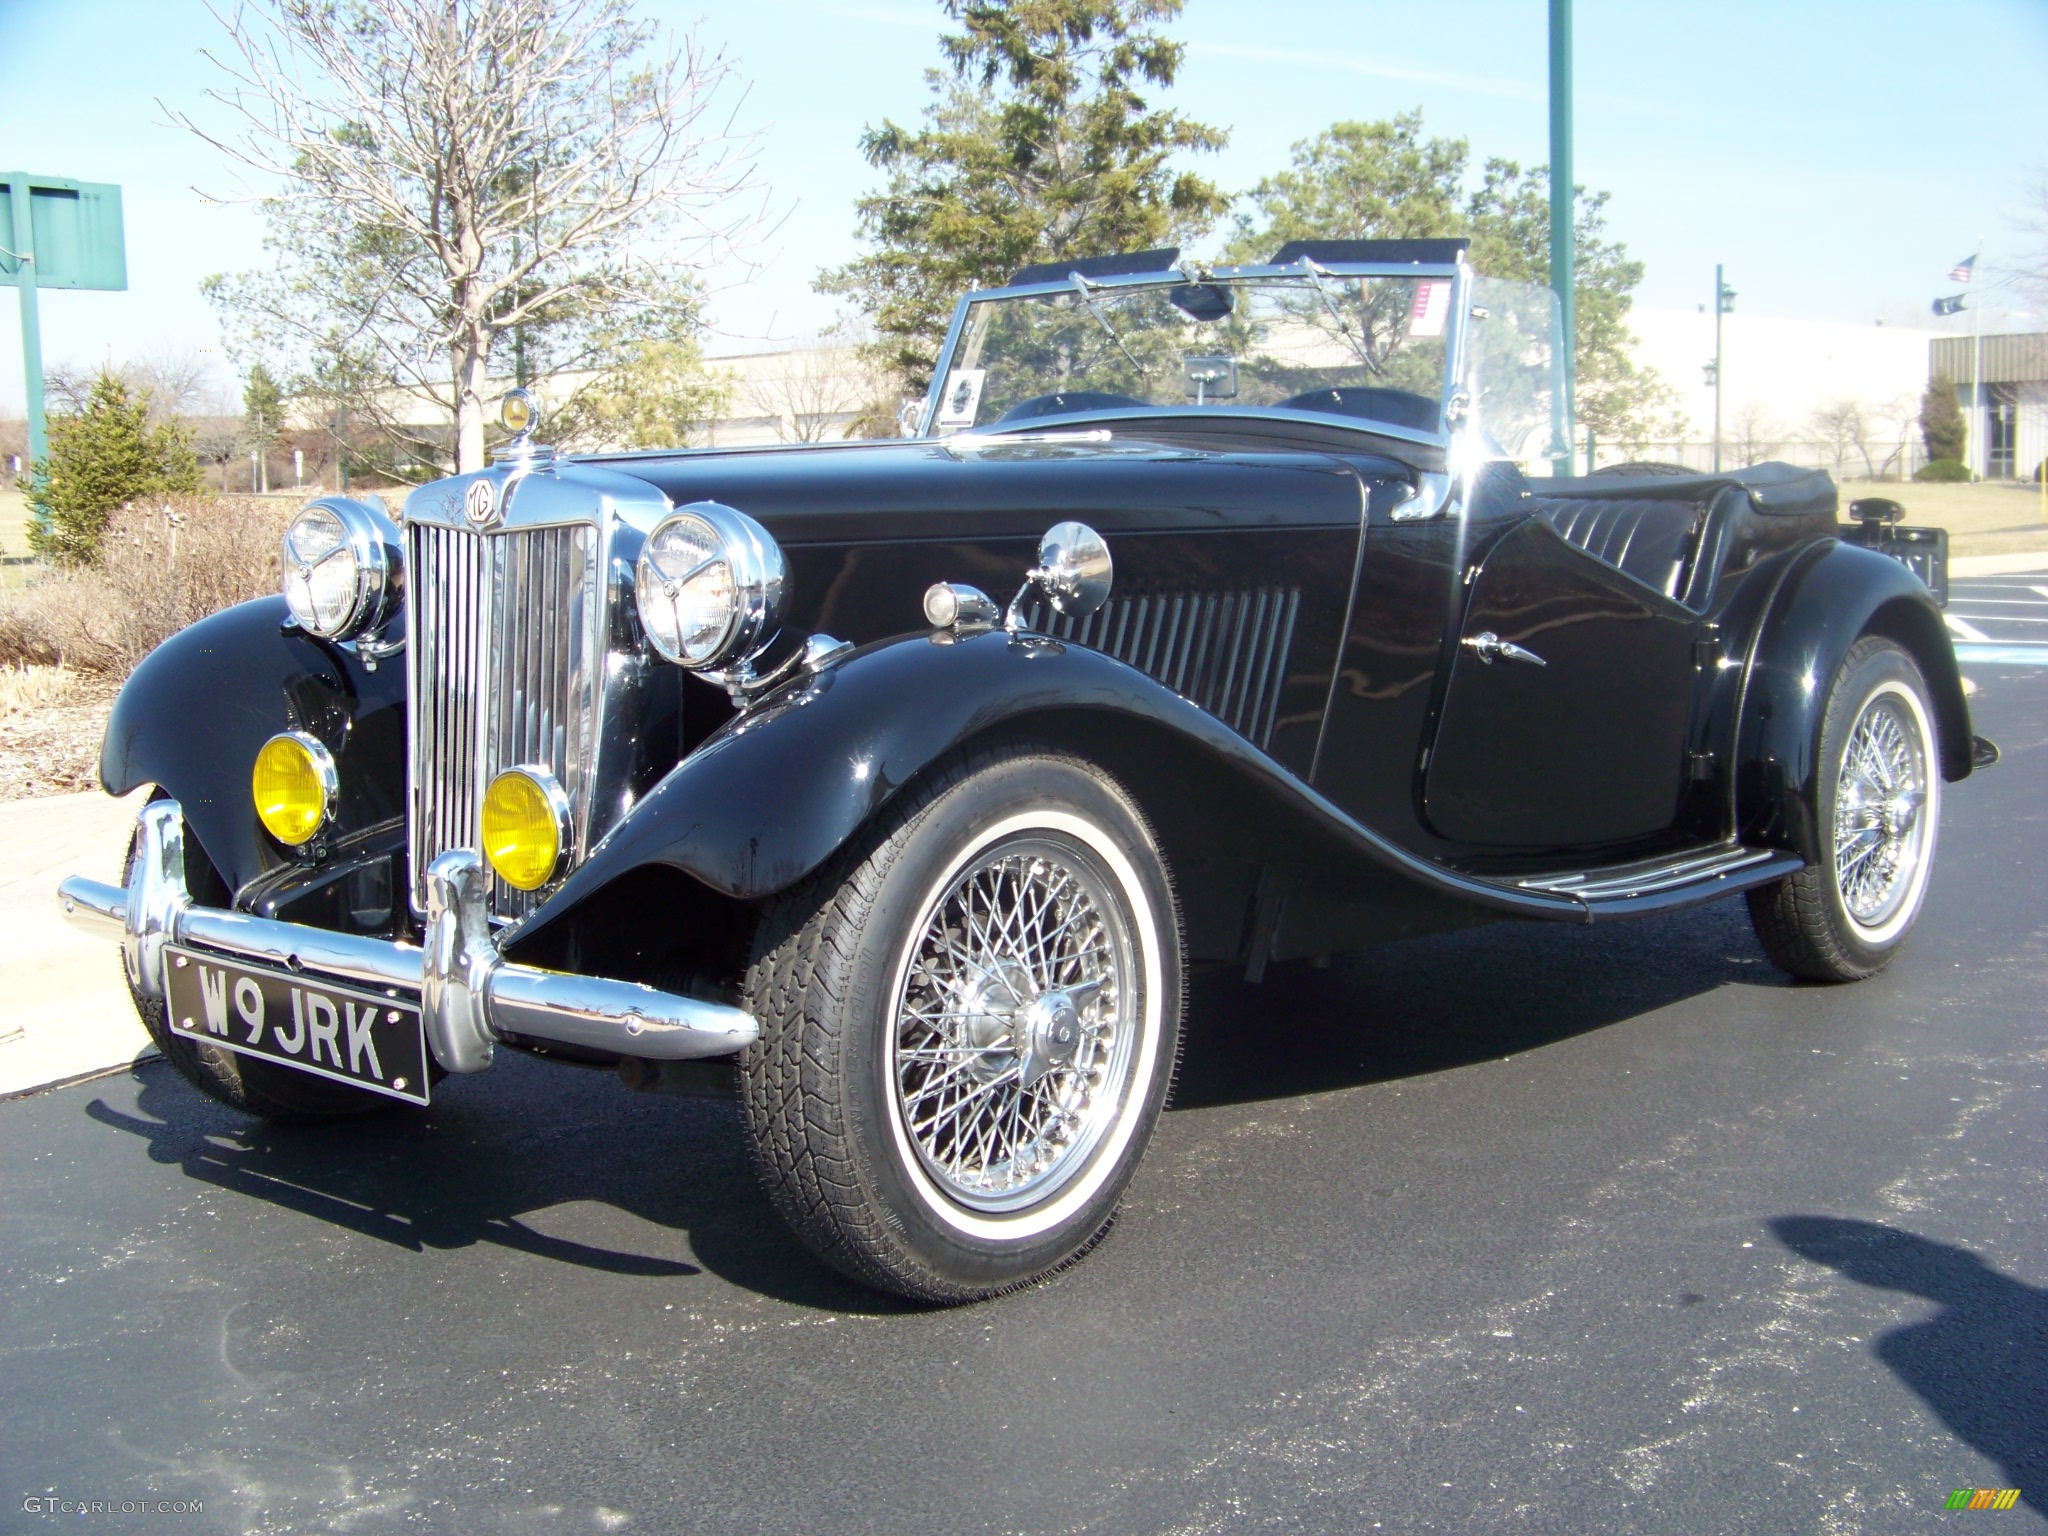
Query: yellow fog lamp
x,y
293,785
525,827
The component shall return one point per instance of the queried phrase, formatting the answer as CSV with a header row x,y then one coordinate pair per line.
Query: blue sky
x,y
1838,157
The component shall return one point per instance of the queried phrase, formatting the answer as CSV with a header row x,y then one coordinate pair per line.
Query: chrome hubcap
x,y
1014,1035
1880,800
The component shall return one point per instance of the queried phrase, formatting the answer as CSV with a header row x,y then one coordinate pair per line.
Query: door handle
x,y
1489,648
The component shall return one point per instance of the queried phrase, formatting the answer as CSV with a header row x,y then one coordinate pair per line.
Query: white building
x,y
1829,393
1786,387
2007,413
813,391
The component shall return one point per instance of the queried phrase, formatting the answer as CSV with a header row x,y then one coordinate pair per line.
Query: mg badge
x,y
480,502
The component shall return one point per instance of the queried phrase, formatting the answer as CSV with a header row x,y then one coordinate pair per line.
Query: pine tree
x,y
1038,146
1384,180
1941,420
100,459
263,415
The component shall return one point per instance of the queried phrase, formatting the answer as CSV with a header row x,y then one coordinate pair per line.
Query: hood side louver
x,y
1225,651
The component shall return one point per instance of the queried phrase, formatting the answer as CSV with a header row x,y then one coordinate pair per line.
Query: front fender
x,y
1832,596
774,794
191,718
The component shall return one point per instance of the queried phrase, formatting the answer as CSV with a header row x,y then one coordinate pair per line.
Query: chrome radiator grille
x,y
1226,651
503,632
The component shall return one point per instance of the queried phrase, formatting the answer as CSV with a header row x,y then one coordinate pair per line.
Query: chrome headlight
x,y
709,584
342,567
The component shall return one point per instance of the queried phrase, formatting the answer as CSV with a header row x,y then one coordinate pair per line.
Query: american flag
x,y
1960,272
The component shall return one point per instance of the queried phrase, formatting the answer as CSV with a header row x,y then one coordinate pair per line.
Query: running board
x,y
1650,885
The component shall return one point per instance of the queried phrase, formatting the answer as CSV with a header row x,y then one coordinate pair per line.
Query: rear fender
x,y
1833,595
191,718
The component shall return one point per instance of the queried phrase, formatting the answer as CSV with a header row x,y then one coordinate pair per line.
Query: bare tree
x,y
452,172
217,444
1893,429
821,387
177,384
1839,429
1755,434
181,381
65,387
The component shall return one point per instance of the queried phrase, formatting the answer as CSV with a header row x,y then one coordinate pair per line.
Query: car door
x,y
1564,720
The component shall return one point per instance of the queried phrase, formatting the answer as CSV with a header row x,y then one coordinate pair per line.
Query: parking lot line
x,y
1999,621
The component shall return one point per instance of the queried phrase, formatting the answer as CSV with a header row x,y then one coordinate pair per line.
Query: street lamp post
x,y
1562,275
1724,302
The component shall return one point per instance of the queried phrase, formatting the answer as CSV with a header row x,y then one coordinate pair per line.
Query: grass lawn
x,y
1992,517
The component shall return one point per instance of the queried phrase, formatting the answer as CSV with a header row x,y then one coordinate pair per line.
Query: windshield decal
x,y
962,397
1432,309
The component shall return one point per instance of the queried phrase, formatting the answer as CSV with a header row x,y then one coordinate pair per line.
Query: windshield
x,y
1374,348
1511,353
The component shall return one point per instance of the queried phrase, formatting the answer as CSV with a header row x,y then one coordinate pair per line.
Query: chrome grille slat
x,y
1225,651
501,652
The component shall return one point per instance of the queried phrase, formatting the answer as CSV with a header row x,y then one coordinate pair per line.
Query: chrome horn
x,y
1074,571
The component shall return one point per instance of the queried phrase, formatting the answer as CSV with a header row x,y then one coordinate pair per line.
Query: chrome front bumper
x,y
469,997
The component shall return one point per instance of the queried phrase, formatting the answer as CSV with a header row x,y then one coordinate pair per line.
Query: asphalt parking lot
x,y
1529,1228
2000,618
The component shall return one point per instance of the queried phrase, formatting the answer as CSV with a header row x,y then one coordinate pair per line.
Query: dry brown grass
x,y
51,722
162,566
24,688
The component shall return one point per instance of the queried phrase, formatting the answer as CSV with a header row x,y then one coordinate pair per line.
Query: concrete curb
x,y
66,1013
83,1077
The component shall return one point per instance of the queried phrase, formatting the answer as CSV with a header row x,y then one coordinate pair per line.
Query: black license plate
x,y
342,1033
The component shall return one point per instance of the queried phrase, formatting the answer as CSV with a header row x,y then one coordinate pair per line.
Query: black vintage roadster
x,y
1205,616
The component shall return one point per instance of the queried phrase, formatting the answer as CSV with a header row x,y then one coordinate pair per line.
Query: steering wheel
x,y
1066,402
1401,407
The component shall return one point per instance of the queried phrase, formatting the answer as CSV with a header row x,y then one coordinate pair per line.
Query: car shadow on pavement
x,y
1981,1362
493,1154
1451,1000
498,1153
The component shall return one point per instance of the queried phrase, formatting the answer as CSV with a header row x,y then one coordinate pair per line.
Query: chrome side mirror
x,y
1073,571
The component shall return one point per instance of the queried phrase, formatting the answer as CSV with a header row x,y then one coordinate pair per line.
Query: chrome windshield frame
x,y
1460,274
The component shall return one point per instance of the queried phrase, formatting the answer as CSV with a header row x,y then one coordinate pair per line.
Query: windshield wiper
x,y
1086,291
1317,275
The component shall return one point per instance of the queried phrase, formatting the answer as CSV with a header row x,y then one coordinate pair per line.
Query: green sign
x,y
73,229
55,233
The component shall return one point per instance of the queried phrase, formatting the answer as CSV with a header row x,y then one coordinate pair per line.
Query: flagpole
x,y
1976,438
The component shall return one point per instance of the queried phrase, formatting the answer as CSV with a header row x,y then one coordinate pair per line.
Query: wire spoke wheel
x,y
1016,1023
1875,800
969,1024
1880,825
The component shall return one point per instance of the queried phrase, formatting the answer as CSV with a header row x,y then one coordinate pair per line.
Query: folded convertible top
x,y
1778,490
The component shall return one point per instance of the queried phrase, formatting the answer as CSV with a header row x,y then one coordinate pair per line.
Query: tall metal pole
x,y
1562,273
1976,444
1720,308
31,334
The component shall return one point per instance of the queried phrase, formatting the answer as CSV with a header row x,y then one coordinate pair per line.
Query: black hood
x,y
948,490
